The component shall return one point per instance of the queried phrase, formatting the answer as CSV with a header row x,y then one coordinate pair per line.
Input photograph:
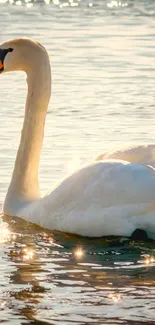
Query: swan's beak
x,y
1,66
3,53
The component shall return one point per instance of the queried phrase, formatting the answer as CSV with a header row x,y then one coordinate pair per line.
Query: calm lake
x,y
103,96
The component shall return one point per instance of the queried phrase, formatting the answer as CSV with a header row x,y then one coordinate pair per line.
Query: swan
x,y
108,197
142,154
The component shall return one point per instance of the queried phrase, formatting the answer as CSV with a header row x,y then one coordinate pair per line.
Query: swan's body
x,y
105,198
142,154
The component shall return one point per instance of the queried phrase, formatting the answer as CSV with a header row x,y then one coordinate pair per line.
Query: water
x,y
103,63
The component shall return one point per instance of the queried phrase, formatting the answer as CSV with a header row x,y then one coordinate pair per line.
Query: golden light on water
x,y
3,304
50,240
4,235
149,260
14,237
114,297
79,253
27,254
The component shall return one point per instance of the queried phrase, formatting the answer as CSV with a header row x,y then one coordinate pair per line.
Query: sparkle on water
x,y
79,253
103,64
149,260
27,254
114,297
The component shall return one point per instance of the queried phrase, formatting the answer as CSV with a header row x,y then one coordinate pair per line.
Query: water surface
x,y
103,64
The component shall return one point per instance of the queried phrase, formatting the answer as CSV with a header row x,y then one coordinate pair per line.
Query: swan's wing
x,y
143,154
105,198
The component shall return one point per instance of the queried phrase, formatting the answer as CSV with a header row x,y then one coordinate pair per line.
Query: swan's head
x,y
22,54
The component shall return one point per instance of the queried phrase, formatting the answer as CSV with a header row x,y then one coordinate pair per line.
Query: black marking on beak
x,y
3,53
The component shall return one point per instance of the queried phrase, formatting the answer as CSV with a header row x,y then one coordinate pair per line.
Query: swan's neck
x,y
24,183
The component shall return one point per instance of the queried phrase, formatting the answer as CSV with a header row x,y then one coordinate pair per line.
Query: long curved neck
x,y
24,181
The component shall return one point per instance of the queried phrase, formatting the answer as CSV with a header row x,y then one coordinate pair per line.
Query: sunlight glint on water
x,y
103,64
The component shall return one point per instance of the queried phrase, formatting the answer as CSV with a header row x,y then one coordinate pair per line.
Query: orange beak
x,y
1,65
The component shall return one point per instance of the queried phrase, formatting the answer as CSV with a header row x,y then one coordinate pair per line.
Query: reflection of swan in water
x,y
105,198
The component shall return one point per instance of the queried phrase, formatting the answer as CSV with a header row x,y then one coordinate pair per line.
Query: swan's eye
x,y
3,53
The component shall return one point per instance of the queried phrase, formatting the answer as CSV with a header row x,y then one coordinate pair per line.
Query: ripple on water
x,y
110,281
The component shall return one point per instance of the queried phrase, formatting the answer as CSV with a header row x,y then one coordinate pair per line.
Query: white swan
x,y
105,198
142,154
